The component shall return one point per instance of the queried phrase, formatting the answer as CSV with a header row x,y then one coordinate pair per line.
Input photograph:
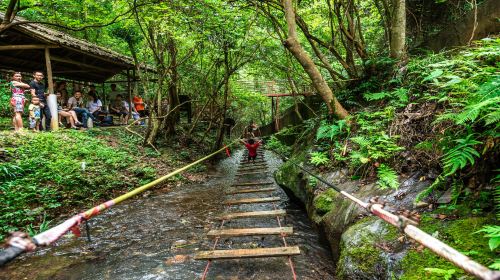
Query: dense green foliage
x,y
47,172
439,115
434,113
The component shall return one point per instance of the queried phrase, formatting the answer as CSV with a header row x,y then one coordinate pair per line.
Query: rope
x,y
290,262
53,234
408,227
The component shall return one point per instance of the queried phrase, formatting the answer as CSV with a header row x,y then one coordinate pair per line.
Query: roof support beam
x,y
26,47
80,64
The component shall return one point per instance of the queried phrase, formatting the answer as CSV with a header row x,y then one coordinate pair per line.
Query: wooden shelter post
x,y
51,99
129,89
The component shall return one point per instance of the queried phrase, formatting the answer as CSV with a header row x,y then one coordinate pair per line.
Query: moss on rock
x,y
460,234
324,202
289,176
360,257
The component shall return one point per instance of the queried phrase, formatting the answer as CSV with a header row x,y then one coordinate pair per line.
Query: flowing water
x,y
156,237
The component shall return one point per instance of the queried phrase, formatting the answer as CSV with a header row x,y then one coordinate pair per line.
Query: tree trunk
x,y
173,96
293,45
398,29
220,136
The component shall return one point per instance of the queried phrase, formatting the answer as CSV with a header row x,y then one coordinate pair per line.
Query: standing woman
x,y
17,101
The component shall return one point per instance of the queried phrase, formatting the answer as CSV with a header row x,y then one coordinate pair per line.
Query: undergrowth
x,y
439,114
48,173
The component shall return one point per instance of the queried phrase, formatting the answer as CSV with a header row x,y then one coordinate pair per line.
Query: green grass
x,y
49,173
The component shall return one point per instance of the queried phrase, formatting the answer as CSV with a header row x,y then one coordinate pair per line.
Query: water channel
x,y
156,236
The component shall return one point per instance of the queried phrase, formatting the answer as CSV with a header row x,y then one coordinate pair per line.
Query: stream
x,y
156,237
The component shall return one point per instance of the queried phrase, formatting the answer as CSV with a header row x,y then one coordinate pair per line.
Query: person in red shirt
x,y
252,147
139,106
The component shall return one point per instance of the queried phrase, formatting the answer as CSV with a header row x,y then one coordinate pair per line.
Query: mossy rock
x,y
360,258
289,176
324,202
459,234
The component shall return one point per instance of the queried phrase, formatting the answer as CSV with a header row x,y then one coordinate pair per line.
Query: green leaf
x,y
494,242
433,75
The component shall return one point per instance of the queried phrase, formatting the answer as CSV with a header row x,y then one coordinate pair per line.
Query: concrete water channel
x,y
157,237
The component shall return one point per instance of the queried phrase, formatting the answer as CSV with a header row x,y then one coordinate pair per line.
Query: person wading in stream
x,y
252,147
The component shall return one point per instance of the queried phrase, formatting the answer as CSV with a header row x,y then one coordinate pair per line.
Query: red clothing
x,y
138,103
252,149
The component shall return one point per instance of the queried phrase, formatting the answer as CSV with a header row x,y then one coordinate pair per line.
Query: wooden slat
x,y
255,214
252,184
251,190
252,167
251,173
253,200
236,232
248,253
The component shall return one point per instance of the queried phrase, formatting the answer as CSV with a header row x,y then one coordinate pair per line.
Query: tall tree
x,y
398,29
293,45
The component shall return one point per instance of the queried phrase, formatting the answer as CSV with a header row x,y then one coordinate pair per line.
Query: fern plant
x,y
387,177
463,153
330,131
376,147
319,158
398,97
493,235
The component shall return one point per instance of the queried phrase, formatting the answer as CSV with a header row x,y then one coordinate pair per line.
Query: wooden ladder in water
x,y
250,188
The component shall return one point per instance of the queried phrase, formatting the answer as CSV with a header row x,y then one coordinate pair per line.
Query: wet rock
x,y
366,250
446,197
378,257
421,204
177,259
179,243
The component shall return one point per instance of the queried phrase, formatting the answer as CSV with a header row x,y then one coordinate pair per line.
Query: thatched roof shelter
x,y
25,47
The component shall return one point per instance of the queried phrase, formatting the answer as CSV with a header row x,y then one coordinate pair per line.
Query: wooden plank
x,y
247,253
81,64
251,190
255,214
252,184
253,200
253,166
251,173
25,47
237,232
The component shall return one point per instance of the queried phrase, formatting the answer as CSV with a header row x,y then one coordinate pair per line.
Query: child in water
x,y
17,88
35,114
252,147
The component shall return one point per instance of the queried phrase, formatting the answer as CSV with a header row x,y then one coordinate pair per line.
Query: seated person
x,y
75,103
120,108
94,105
140,106
70,115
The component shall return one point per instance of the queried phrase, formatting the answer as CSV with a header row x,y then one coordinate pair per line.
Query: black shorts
x,y
252,157
143,113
